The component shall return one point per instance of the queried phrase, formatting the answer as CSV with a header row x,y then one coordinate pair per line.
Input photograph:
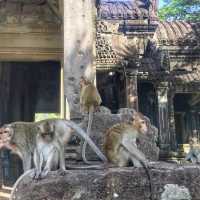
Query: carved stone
x,y
114,183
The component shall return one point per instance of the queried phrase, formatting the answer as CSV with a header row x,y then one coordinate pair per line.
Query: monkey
x,y
21,138
49,149
120,144
194,154
48,154
90,99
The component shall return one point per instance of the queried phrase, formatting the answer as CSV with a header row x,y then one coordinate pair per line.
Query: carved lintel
x,y
54,9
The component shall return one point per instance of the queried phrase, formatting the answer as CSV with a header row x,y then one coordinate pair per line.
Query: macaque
x,y
90,99
49,141
194,153
20,137
48,155
121,144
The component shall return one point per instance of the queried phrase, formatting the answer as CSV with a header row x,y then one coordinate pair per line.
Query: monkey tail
x,y
29,172
84,135
90,119
146,168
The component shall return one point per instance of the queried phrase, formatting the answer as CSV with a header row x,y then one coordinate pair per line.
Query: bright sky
x,y
160,3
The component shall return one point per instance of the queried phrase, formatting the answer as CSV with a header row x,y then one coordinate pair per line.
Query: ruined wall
x,y
116,183
79,53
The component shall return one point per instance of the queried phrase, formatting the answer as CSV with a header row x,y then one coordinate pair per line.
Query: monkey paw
x,y
62,172
36,176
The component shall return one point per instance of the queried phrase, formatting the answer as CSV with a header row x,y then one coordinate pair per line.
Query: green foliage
x,y
42,116
180,10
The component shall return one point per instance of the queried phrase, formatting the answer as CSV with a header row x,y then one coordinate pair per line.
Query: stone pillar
x,y
79,48
131,89
172,129
163,116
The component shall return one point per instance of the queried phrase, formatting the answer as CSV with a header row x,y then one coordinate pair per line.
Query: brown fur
x,y
115,134
89,101
89,95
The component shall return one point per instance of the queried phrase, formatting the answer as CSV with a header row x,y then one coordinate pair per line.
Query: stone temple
x,y
137,61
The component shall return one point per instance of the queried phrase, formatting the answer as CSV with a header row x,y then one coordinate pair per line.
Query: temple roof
x,y
178,32
123,9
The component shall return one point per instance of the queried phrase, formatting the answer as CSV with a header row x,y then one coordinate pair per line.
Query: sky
x,y
160,3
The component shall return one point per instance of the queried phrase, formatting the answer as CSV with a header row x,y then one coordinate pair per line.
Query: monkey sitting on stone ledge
x,y
194,153
121,144
20,138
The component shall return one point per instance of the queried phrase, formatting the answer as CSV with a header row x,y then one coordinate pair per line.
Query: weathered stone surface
x,y
173,191
104,120
113,183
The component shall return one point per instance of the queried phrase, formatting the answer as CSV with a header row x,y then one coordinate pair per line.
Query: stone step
x,y
72,152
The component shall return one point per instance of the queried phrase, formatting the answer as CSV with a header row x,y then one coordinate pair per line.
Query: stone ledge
x,y
113,183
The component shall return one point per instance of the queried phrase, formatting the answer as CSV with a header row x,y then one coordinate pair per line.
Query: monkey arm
x,y
38,162
189,156
131,147
62,158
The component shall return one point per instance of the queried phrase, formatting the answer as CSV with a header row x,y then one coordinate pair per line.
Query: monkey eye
x,y
44,133
6,131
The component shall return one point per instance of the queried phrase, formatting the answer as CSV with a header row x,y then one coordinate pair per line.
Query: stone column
x,y
79,48
163,116
131,89
172,129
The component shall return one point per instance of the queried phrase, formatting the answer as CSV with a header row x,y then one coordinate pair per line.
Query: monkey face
x,y
47,137
143,127
46,132
6,134
140,124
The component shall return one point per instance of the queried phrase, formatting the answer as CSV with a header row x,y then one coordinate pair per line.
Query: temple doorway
x,y
187,116
147,101
28,92
111,86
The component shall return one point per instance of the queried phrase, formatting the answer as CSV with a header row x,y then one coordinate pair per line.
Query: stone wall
x,y
113,183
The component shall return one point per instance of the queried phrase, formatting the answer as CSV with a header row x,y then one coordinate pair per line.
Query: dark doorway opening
x,y
26,88
147,101
111,86
187,116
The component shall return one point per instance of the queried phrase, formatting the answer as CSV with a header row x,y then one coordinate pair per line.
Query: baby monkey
x,y
90,100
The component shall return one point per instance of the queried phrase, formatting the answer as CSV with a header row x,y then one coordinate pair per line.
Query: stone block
x,y
112,183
